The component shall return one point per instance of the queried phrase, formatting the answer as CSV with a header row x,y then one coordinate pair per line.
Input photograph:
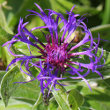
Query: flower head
x,y
57,56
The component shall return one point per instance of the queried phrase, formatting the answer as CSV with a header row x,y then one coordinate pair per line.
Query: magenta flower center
x,y
56,55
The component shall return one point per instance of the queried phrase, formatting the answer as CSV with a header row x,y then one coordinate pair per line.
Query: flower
x,y
58,56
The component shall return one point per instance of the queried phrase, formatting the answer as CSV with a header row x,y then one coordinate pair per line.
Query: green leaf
x,y
6,56
63,5
28,92
18,10
7,83
85,108
39,104
1,75
98,98
72,102
3,22
53,105
75,98
103,30
14,104
62,99
38,101
33,23
22,47
4,36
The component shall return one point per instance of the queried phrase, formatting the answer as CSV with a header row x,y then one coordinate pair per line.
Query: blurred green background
x,y
97,13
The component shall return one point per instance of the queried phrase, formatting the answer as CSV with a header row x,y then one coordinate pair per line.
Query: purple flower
x,y
58,57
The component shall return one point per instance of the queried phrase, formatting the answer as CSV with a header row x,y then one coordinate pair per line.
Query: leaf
x,y
18,10
3,22
98,98
61,98
39,104
85,108
103,30
33,23
22,47
4,36
104,33
28,92
6,56
53,105
7,83
75,97
1,75
65,5
14,104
